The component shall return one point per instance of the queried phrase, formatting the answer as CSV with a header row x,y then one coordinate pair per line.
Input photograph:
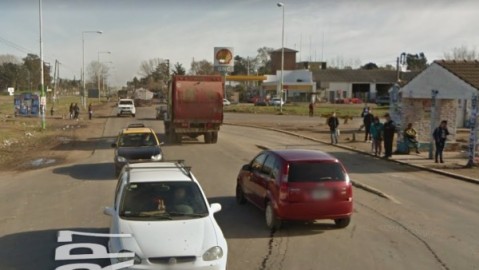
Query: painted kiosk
x,y
27,104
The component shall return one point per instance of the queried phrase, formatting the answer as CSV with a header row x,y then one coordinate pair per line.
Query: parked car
x,y
166,215
276,102
136,143
226,102
261,102
383,100
293,184
126,106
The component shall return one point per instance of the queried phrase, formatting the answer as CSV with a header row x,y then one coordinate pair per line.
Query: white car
x,y
126,106
276,102
226,102
165,220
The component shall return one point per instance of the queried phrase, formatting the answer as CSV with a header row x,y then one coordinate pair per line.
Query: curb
x,y
452,175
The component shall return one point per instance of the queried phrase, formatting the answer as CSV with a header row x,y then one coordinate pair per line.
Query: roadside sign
x,y
43,101
11,90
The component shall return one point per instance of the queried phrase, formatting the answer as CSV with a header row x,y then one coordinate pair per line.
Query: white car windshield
x,y
163,200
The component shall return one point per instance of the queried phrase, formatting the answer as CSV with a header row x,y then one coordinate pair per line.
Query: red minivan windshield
x,y
315,172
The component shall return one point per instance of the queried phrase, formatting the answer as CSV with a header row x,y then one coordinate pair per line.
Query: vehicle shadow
x,y
247,221
36,249
89,172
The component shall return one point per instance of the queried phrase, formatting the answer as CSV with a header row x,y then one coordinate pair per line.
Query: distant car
x,y
134,144
383,100
163,209
292,184
261,102
226,102
276,102
126,106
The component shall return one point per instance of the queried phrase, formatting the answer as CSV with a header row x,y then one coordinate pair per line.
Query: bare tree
x,y
148,67
96,71
8,58
462,53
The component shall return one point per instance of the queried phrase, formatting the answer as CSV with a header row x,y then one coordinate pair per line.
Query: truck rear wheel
x,y
214,137
208,137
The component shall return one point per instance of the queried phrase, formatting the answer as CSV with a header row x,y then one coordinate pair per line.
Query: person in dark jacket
x,y
440,135
333,124
389,129
368,119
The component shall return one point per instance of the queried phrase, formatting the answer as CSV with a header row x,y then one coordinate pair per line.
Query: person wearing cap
x,y
389,129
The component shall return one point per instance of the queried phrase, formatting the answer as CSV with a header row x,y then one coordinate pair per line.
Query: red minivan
x,y
297,184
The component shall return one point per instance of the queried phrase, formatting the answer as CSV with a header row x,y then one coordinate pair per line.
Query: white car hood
x,y
191,237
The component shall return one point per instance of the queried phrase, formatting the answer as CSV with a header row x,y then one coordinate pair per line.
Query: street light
x,y
43,99
100,70
83,62
281,5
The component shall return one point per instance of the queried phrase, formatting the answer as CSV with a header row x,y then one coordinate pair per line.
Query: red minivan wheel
x,y
272,220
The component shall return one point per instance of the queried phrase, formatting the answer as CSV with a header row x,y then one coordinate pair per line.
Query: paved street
x,y
426,221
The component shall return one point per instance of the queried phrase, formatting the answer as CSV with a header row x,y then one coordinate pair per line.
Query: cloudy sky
x,y
180,30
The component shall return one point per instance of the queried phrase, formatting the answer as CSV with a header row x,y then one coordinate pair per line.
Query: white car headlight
x,y
214,253
158,157
121,159
137,259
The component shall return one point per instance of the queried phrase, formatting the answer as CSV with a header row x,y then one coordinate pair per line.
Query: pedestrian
x,y
363,113
410,136
333,124
377,134
367,121
76,111
311,109
90,111
440,135
71,110
389,130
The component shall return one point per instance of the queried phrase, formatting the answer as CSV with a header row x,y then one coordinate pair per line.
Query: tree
x,y
178,69
8,58
32,64
263,60
462,53
97,71
416,62
148,67
202,67
370,65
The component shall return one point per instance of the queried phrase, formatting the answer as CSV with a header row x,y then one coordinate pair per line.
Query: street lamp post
x,y
99,71
43,99
281,5
83,63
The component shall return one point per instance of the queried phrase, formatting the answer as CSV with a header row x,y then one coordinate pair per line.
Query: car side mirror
x,y
246,167
215,207
109,211
113,145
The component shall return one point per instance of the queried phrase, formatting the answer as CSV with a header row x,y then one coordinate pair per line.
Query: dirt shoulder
x,y
24,145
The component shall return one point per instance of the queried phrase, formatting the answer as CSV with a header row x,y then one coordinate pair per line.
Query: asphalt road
x,y
429,222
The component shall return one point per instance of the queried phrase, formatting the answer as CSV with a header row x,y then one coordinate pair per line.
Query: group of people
x,y
75,111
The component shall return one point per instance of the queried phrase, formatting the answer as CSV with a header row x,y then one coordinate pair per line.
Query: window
x,y
270,166
257,163
315,172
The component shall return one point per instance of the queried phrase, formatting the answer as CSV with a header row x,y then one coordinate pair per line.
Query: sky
x,y
134,31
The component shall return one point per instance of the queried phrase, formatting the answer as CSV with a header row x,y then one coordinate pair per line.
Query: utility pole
x,y
434,94
43,99
473,134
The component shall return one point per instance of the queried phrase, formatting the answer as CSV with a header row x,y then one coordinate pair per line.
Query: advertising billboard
x,y
224,59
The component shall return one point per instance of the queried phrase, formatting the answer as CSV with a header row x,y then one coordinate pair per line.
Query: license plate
x,y
322,194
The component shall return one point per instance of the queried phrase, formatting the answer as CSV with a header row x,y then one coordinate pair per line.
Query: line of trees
x,y
23,75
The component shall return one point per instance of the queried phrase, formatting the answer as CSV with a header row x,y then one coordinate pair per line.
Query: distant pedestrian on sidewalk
x,y
410,135
76,111
368,119
377,133
440,135
311,109
333,124
389,130
363,113
71,110
90,111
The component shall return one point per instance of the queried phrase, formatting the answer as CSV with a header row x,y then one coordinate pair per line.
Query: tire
x,y
214,137
342,222
208,137
133,115
240,198
272,221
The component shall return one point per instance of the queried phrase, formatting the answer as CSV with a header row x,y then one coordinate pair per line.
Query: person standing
x,y
368,119
90,111
377,129
333,124
76,111
311,109
71,110
440,135
389,130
